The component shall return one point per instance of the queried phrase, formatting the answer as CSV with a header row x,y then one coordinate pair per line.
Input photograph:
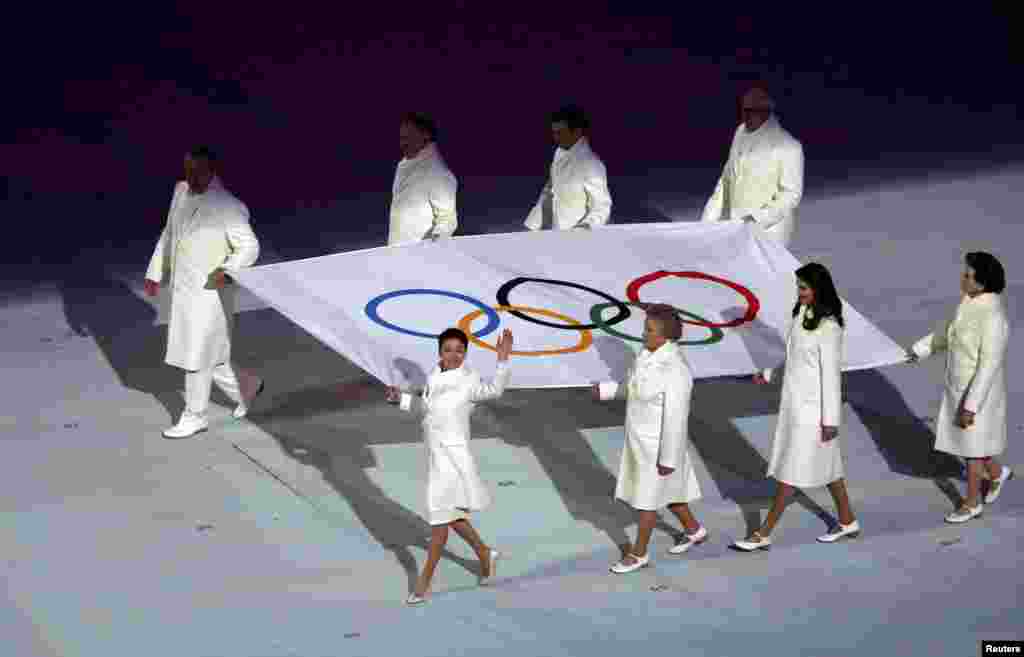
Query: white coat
x,y
763,178
811,398
453,483
204,232
975,341
576,192
422,199
657,392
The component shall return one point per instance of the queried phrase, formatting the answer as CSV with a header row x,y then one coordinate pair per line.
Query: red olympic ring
x,y
753,305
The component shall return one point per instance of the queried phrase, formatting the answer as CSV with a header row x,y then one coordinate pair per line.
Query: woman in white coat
x,y
453,486
972,418
656,469
806,452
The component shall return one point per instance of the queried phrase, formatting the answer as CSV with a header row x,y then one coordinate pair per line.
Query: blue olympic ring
x,y
493,321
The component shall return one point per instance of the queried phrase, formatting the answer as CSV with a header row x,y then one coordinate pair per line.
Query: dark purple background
x,y
303,102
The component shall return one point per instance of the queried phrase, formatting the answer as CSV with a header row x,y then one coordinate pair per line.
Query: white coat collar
x,y
770,125
581,147
427,152
664,353
982,301
215,186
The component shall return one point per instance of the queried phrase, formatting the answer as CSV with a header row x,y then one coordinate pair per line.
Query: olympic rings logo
x,y
597,319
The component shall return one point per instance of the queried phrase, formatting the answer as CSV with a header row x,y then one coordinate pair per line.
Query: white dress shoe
x,y
485,579
851,531
414,599
687,541
243,407
188,425
996,487
620,567
965,513
754,542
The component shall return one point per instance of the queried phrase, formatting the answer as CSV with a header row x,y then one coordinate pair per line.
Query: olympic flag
x,y
569,297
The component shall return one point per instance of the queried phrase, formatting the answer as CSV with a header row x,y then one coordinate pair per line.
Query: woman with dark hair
x,y
453,486
972,418
656,469
805,453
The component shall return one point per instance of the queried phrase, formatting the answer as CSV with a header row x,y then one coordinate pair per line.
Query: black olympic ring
x,y
623,309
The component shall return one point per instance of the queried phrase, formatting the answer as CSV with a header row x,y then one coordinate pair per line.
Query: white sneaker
x,y
852,531
621,568
188,425
484,579
687,541
243,407
965,513
754,542
996,487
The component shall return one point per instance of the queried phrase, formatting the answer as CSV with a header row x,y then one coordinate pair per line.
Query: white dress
x,y
203,232
763,178
454,487
576,192
975,342
657,393
811,398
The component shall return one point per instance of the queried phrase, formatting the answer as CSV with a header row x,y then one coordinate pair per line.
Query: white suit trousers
x,y
198,384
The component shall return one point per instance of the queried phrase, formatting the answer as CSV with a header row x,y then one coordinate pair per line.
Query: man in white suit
x,y
763,179
576,193
423,194
207,236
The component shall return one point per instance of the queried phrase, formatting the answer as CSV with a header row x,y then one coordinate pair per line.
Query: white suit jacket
x,y
422,199
763,178
576,193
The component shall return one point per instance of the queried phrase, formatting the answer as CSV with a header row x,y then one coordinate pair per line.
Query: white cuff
x,y
608,389
405,401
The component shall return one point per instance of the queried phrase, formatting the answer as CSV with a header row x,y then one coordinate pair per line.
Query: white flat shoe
x,y
485,579
621,568
996,487
687,541
243,407
188,425
414,599
748,545
965,513
850,531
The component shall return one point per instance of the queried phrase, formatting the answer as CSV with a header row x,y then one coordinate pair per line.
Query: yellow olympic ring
x,y
586,337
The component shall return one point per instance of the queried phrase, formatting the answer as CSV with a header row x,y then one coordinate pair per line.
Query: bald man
x,y
763,179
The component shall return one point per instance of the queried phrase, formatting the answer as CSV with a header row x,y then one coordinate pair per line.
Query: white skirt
x,y
800,459
454,487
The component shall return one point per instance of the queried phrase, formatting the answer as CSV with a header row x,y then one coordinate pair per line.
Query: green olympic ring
x,y
595,316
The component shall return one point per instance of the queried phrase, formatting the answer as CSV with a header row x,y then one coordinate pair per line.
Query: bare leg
x,y
994,467
974,467
438,538
464,529
778,506
682,511
643,535
842,500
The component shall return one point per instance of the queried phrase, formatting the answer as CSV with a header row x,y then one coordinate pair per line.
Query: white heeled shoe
x,y
188,425
243,407
687,541
748,545
965,513
485,579
852,531
621,567
996,487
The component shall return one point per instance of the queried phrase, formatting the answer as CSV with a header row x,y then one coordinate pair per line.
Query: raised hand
x,y
151,287
504,346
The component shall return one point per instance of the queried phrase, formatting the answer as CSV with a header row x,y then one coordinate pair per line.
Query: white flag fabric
x,y
567,296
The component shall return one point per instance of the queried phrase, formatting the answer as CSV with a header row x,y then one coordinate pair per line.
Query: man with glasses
x,y
763,179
